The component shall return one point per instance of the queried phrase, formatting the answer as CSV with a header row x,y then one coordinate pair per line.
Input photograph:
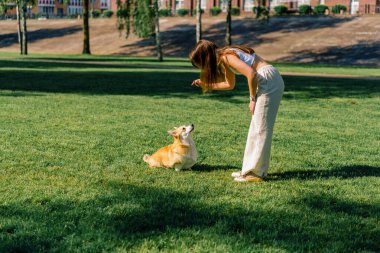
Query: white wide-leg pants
x,y
259,141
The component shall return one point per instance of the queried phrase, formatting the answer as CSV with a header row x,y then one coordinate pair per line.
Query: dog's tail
x,y
146,158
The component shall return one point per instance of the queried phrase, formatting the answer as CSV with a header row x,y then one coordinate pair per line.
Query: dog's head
x,y
182,133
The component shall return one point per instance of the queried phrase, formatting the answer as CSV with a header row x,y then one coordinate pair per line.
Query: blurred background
x,y
342,32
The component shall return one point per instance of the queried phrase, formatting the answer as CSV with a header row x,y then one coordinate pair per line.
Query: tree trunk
x,y
86,29
92,9
19,33
258,9
228,24
157,31
24,30
199,21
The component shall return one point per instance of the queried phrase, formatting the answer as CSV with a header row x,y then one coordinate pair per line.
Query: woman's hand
x,y
198,83
252,105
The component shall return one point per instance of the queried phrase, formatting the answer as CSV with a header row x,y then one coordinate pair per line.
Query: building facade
x,y
246,6
59,8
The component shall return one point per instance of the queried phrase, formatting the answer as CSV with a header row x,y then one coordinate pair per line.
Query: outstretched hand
x,y
197,83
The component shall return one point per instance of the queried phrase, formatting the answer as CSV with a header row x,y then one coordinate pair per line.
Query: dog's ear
x,y
172,133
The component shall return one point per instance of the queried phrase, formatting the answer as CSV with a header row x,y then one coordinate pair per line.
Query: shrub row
x,y
97,13
214,11
305,9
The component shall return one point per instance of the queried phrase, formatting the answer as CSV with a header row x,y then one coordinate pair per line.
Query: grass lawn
x,y
72,179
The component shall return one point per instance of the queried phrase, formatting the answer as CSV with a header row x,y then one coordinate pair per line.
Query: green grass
x,y
72,179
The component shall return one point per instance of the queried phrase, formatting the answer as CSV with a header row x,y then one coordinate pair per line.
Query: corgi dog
x,y
180,155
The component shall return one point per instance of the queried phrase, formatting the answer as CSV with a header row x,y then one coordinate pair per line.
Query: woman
x,y
218,68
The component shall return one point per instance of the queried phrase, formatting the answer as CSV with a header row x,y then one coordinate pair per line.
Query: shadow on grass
x,y
128,80
19,94
362,53
344,172
116,59
330,204
180,39
209,168
7,40
129,215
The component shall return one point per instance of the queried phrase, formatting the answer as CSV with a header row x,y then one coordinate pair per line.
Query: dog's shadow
x,y
209,168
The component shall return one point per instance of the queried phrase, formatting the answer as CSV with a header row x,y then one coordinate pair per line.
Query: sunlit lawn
x,y
72,179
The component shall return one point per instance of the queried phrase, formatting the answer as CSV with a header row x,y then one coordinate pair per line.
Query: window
x,y
303,2
248,5
203,4
179,4
46,9
223,5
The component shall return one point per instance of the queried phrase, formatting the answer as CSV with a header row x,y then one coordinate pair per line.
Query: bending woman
x,y
218,68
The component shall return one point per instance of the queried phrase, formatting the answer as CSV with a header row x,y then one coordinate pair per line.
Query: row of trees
x,y
142,14
22,31
21,13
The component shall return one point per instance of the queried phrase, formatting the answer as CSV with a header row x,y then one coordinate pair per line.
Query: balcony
x,y
46,3
75,3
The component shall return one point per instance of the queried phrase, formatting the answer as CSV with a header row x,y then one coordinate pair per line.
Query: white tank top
x,y
245,57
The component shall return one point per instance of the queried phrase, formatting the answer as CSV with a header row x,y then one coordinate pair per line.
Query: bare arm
x,y
225,81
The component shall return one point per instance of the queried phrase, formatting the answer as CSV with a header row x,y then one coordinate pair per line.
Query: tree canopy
x,y
138,12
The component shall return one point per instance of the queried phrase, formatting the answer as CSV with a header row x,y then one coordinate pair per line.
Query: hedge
x,y
320,9
280,9
235,11
215,11
95,13
182,12
305,9
338,7
164,12
107,13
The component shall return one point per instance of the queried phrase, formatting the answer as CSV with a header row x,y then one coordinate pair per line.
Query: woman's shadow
x,y
210,168
344,172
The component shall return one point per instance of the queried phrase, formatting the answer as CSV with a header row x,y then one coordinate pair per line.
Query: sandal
x,y
248,178
236,174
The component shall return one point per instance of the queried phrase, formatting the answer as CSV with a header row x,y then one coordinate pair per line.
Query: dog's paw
x,y
146,158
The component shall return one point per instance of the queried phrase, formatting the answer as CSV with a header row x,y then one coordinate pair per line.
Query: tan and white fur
x,y
180,155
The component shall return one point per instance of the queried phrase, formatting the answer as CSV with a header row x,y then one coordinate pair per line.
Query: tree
x,y
24,40
228,23
157,31
86,28
199,21
18,13
22,31
258,9
4,8
145,17
262,12
86,25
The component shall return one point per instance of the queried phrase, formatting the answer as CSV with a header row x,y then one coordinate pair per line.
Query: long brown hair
x,y
207,56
